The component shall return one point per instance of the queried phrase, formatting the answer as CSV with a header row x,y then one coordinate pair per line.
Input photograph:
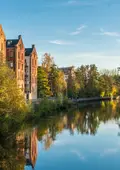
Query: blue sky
x,y
75,32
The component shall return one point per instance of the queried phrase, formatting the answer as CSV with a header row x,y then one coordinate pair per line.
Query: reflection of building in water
x,y
31,148
27,148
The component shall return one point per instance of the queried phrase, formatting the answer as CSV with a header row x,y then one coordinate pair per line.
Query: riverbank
x,y
87,99
94,99
48,106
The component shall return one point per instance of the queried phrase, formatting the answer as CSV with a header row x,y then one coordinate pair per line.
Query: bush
x,y
49,106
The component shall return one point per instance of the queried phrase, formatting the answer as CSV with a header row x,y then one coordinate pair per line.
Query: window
x,y
18,55
11,64
22,66
22,76
1,46
9,42
22,56
18,65
11,54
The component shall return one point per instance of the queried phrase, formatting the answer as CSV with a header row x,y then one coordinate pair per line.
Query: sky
x,y
74,32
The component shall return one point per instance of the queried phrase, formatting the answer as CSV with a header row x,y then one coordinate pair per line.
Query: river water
x,y
87,138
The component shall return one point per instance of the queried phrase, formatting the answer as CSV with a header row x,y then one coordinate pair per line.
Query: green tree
x,y
88,78
56,81
73,87
42,83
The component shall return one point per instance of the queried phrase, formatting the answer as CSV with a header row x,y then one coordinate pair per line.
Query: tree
x,y
73,87
88,79
47,62
105,85
56,81
12,101
42,83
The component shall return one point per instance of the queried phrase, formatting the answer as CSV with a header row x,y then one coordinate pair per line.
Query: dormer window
x,y
9,42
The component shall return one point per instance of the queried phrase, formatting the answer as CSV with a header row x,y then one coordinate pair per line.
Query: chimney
x,y
19,36
33,45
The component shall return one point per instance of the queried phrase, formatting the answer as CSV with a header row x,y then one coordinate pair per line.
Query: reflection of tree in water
x,y
18,149
86,120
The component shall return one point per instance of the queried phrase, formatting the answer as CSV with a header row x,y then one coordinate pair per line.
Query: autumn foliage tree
x,y
56,81
47,62
86,82
12,101
50,79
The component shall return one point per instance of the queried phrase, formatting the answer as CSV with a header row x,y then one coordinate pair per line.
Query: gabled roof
x,y
12,42
28,51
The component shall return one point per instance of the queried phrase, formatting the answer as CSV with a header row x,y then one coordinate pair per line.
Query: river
x,y
86,137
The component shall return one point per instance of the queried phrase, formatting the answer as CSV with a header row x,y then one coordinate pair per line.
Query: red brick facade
x,y
16,59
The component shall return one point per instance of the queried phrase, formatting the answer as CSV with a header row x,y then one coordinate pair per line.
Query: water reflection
x,y
19,148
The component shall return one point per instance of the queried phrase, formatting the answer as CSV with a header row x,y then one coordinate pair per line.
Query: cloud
x,y
109,151
108,33
118,40
59,143
81,2
89,57
78,154
60,42
72,2
78,30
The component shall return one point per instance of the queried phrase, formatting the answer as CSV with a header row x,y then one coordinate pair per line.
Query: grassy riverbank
x,y
47,107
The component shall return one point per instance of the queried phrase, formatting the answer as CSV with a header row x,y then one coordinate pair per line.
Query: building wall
x,y
10,53
16,61
20,64
68,71
34,75
31,75
34,147
28,94
2,45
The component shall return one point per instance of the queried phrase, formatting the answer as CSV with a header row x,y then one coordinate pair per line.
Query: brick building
x,y
2,45
31,148
68,71
16,59
31,73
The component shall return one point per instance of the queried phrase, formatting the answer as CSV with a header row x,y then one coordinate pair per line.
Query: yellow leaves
x,y
114,90
103,104
47,62
61,81
11,98
102,94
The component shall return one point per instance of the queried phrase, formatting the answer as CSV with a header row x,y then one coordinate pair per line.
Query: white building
x,y
31,73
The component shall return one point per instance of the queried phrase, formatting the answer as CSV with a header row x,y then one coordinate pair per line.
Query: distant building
x,y
31,73
68,71
2,45
16,59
